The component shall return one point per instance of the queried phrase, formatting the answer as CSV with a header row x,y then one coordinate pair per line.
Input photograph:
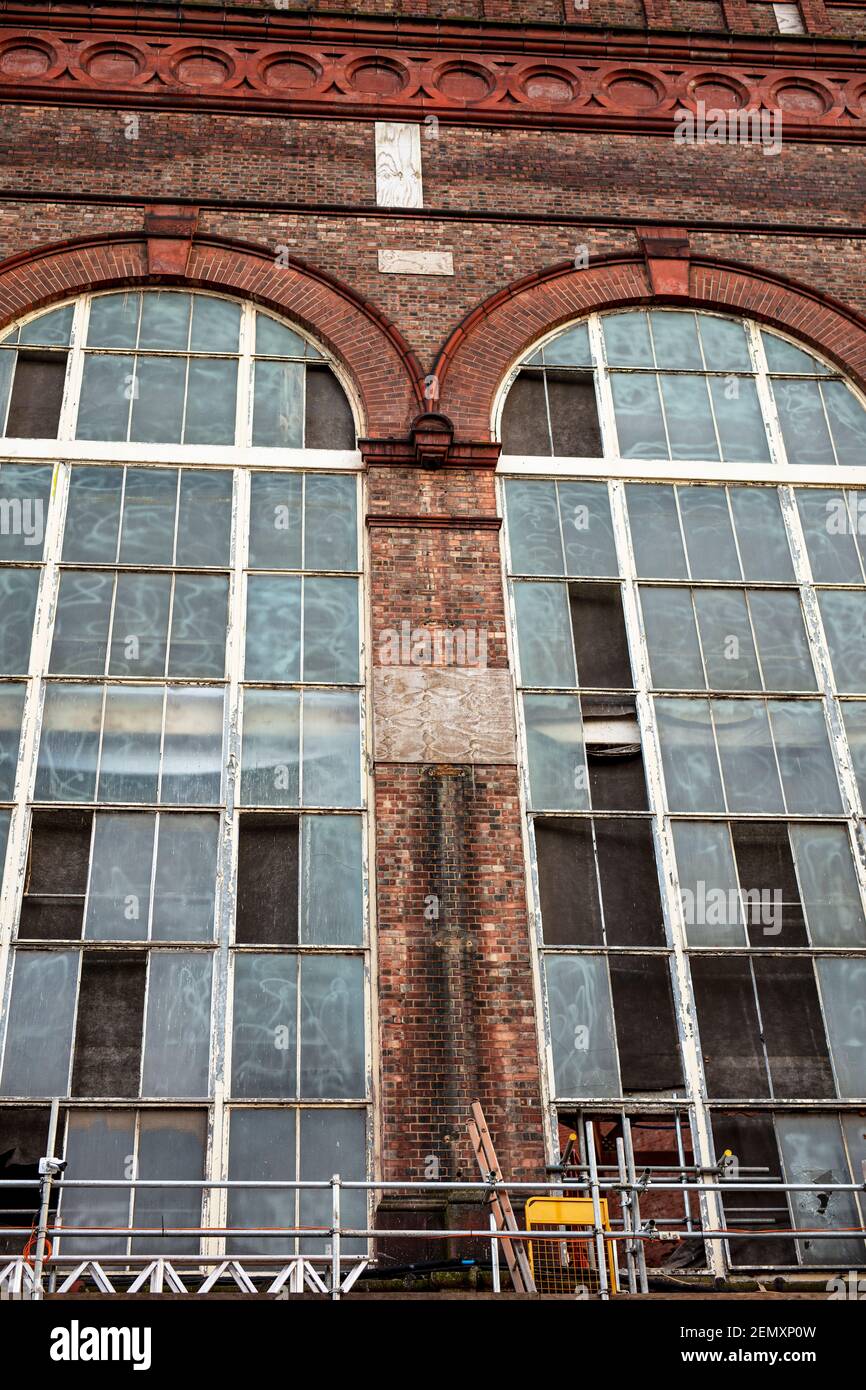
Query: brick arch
x,y
481,351
379,363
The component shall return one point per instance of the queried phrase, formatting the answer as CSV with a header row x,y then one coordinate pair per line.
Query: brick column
x,y
815,17
738,16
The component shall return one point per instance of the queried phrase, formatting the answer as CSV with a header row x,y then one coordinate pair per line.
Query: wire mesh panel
x,y
566,1260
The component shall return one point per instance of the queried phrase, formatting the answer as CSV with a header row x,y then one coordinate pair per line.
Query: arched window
x,y
674,384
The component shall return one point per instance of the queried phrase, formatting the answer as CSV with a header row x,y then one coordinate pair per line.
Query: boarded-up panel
x,y
267,903
570,911
328,422
728,1022
646,1032
524,417
109,1025
37,395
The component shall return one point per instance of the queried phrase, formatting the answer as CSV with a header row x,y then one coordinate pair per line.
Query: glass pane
x,y
139,633
689,755
275,340
270,751
784,357
99,1144
7,370
332,749
211,401
164,320
278,399
198,626
70,743
689,420
273,628
569,349
627,340
118,898
332,1027
4,836
40,1022
264,1034
804,428
177,1028
216,324
709,536
782,643
330,522
726,347
184,888
828,885
555,753
172,1146
805,760
843,986
847,423
157,400
854,718
193,751
333,1141
761,534
129,766
843,613
113,320
726,640
331,630
18,590
830,524
204,519
671,637
587,529
107,387
581,1026
709,889
675,338
24,494
533,528
92,515
655,531
812,1152
544,635
746,755
262,1149
49,330
639,423
739,420
80,645
275,521
149,502
332,909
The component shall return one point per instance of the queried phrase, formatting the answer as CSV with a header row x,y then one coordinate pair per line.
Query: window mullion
x,y
604,393
765,396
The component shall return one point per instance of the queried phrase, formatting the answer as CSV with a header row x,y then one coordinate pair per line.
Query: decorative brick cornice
x,y
429,444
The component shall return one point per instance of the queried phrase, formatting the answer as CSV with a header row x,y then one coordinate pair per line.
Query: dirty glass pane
x,y
854,718
118,899
149,502
746,755
275,521
7,369
709,537
726,347
587,529
278,398
171,1145
854,1127
333,1141
655,531
804,427
569,349
828,885
709,888
544,637
4,836
49,330
99,1144
844,616
198,626
739,420
177,1028
847,423
164,320
581,1026
270,751
627,340
534,537
332,753
24,495
330,522
211,401
215,324
192,754
689,419
129,766
107,387
761,534
17,604
843,986
264,1035
639,424
184,887
675,338
273,628
275,340
204,518
726,640
805,760
332,1027
113,320
332,909
830,520
671,637
139,632
261,1149
40,1022
689,755
782,356
812,1152
330,630
782,643
555,753
70,743
80,644
157,400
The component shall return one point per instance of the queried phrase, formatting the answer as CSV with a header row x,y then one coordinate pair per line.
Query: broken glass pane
x,y
812,1152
